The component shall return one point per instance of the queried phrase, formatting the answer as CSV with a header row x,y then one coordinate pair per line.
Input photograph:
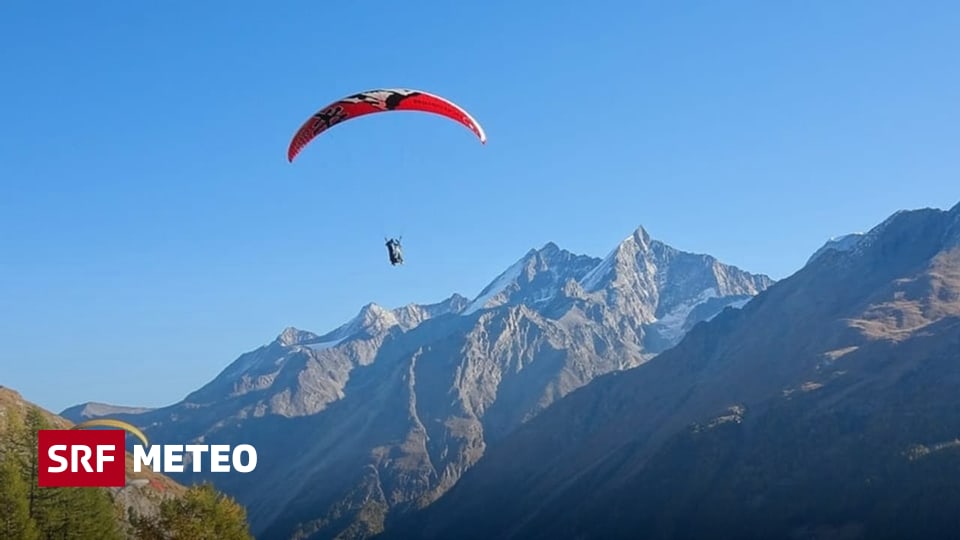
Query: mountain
x,y
825,408
383,414
86,411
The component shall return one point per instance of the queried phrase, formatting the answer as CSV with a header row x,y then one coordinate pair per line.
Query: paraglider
x,y
107,422
393,249
377,101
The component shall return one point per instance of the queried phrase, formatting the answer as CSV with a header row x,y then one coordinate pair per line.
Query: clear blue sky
x,y
151,229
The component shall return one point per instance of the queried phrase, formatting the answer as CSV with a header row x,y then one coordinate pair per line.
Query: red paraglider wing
x,y
375,101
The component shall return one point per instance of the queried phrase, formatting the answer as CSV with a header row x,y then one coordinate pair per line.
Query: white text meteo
x,y
218,458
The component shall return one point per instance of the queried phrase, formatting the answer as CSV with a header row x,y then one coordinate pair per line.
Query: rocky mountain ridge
x,y
383,414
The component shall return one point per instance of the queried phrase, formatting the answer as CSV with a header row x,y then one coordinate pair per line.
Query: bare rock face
x,y
384,414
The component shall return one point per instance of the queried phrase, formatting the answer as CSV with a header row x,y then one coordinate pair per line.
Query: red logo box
x,y
81,458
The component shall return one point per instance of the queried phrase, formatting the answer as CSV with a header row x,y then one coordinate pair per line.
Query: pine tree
x,y
15,519
64,513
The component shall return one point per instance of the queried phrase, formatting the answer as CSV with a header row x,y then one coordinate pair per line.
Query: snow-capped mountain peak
x,y
534,279
623,257
372,319
651,283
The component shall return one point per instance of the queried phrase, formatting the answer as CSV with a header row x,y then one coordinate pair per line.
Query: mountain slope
x,y
385,413
825,408
144,491
90,410
840,243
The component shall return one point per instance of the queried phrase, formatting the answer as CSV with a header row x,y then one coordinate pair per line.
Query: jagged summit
x,y
653,283
534,279
622,257
375,317
294,336
371,319
640,237
457,298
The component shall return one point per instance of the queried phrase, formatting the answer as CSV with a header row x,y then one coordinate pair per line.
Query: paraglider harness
x,y
393,248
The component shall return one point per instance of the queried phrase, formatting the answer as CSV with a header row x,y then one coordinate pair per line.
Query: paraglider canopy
x,y
377,101
117,424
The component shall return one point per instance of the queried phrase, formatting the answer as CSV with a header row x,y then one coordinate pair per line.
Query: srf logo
x,y
81,458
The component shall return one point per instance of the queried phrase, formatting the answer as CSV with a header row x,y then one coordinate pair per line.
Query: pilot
x,y
393,248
